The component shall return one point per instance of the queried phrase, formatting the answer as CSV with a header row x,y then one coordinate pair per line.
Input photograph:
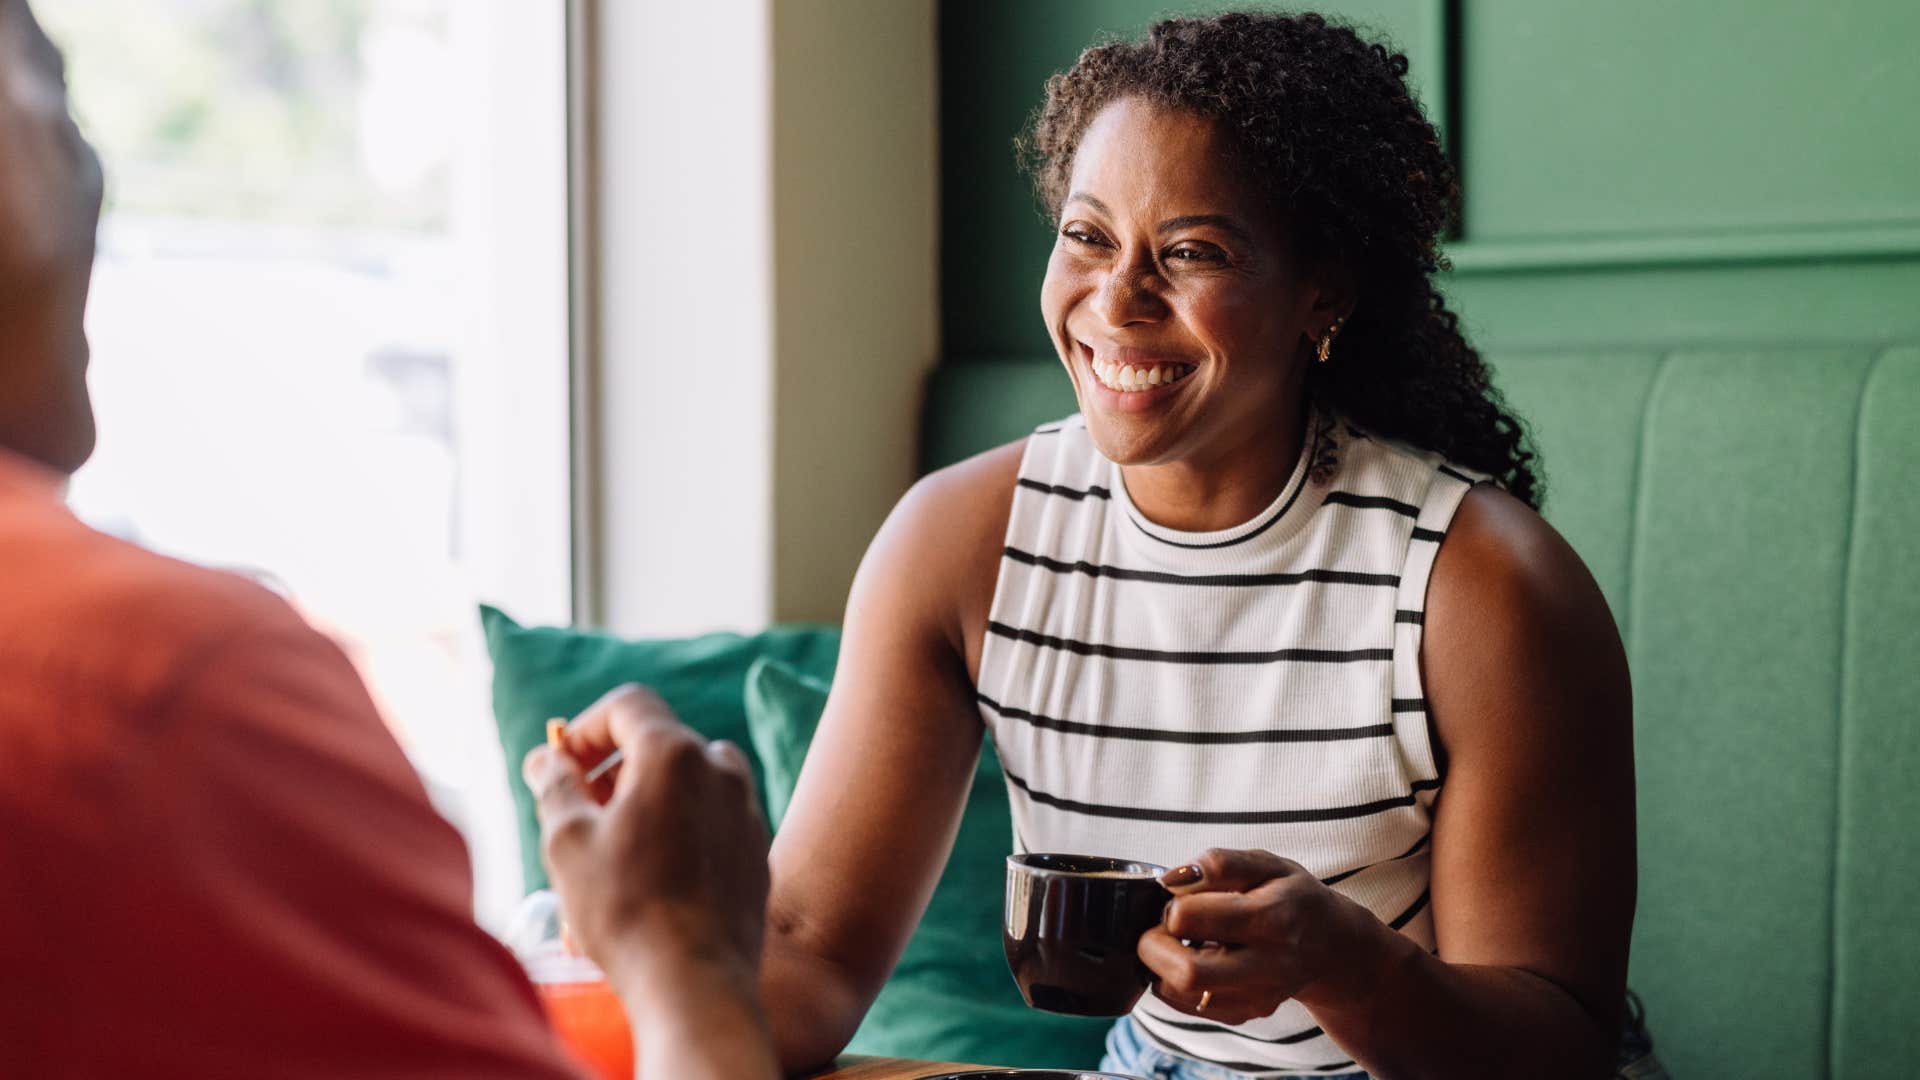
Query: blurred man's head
x,y
49,207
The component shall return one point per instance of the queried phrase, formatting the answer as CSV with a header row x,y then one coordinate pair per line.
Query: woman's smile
x,y
1130,379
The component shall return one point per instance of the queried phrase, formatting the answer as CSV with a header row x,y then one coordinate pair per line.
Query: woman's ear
x,y
1334,296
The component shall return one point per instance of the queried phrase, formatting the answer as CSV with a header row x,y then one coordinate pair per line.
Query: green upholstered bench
x,y
1754,520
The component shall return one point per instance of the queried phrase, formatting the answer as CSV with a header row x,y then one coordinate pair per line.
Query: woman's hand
x,y
1264,930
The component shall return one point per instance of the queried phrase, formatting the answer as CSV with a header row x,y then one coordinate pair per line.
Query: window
x,y
329,323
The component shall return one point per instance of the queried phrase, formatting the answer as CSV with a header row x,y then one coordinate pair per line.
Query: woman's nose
x,y
1129,295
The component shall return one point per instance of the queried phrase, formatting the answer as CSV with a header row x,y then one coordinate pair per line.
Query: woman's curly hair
x,y
1324,119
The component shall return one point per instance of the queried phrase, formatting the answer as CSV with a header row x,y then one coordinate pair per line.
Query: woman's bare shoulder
x,y
975,494
1513,615
1500,558
941,544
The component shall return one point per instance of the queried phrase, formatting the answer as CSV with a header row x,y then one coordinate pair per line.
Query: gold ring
x,y
1205,997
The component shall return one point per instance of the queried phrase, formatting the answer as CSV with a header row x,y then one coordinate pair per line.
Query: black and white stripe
x,y
1153,693
1091,491
1183,1047
1297,655
1290,816
1205,581
1202,738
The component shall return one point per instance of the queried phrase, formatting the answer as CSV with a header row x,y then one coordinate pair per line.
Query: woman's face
x,y
1172,296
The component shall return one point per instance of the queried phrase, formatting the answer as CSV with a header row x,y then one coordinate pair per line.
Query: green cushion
x,y
951,997
1735,607
1876,940
543,672
783,709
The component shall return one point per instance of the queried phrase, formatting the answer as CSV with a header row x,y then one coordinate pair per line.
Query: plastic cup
x,y
586,1014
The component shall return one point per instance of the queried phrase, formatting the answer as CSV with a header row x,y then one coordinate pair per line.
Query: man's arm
x,y
662,874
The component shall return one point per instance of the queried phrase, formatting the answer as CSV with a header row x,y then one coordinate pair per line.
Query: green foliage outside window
x,y
241,109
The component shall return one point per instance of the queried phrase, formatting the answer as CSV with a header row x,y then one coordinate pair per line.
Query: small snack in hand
x,y
556,733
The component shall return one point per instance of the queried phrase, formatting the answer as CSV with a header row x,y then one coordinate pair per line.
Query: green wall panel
x,y
1738,557
996,56
1643,116
1583,411
1876,1028
1704,305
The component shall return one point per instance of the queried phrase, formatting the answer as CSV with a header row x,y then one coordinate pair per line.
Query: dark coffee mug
x,y
1072,930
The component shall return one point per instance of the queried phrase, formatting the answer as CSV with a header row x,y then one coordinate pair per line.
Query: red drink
x,y
585,1012
592,1023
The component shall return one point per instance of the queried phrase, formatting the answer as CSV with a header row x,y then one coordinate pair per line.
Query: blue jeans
x,y
1129,1052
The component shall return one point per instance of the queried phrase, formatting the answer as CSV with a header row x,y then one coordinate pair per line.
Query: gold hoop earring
x,y
1326,339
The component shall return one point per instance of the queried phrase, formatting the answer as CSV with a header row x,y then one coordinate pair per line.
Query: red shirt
x,y
214,859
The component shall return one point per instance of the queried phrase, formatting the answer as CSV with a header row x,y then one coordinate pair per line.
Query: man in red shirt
x,y
216,860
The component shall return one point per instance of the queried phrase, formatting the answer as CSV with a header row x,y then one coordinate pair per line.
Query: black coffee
x,y
1073,925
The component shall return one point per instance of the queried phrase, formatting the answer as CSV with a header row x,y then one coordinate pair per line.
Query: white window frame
x,y
515,487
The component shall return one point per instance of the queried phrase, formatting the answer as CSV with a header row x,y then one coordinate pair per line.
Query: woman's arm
x,y
880,798
1534,862
1533,844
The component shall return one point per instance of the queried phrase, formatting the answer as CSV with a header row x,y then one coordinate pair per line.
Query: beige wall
x,y
760,308
855,162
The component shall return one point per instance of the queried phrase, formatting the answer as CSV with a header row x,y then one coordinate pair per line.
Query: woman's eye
x,y
1193,253
1081,237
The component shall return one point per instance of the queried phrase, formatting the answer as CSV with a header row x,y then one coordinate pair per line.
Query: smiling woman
x,y
1273,608
1343,219
1154,287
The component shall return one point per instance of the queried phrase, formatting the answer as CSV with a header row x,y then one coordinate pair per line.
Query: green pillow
x,y
951,997
542,672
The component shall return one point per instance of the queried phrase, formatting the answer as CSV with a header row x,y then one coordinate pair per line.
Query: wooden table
x,y
876,1068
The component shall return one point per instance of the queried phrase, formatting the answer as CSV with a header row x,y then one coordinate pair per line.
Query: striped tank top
x,y
1154,693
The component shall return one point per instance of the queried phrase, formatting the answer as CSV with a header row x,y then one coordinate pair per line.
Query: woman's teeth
x,y
1127,378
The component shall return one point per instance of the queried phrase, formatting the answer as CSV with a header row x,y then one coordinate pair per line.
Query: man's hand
x,y
662,875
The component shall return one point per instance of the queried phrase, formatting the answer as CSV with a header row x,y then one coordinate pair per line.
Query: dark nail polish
x,y
1181,875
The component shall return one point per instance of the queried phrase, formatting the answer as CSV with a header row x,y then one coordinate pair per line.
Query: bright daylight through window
x,y
329,331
